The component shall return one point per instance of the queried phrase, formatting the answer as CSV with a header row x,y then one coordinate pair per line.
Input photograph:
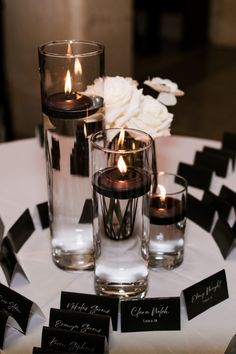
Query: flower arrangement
x,y
127,107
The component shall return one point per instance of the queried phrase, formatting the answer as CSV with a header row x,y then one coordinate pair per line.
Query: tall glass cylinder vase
x,y
121,164
70,116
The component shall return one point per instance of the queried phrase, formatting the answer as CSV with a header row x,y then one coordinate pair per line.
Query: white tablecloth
x,y
23,185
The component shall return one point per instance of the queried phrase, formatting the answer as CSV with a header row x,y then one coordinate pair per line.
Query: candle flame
x,y
77,67
68,83
121,138
162,193
122,165
85,130
69,50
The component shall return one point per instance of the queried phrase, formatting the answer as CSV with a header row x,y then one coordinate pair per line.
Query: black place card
x,y
217,163
229,155
87,212
9,261
6,321
92,304
80,322
21,230
229,141
150,314
199,212
39,133
42,209
224,236
228,195
205,294
17,306
217,203
37,350
2,228
68,341
231,349
196,176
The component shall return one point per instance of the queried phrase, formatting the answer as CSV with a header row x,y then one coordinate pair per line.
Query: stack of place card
x,y
81,325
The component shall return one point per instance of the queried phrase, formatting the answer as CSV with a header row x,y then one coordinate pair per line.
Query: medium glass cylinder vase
x,y
121,163
70,116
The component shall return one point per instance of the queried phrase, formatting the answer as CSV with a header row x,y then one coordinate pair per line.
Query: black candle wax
x,y
111,183
166,211
60,105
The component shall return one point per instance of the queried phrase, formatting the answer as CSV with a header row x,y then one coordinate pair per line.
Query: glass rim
x,y
98,48
120,151
171,174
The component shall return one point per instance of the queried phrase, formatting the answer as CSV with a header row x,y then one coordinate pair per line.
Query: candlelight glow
x,y
77,67
69,50
68,83
122,165
162,193
121,138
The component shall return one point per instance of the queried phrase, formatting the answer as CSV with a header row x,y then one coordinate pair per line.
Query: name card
x,y
42,209
21,230
229,155
9,261
6,321
92,304
217,163
228,195
153,314
217,203
224,236
68,341
231,349
17,306
205,294
37,350
199,212
81,322
196,176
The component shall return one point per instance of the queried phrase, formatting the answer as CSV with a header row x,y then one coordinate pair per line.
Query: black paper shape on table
x,y
6,321
87,212
229,141
21,230
205,294
37,350
231,349
79,158
228,195
92,304
80,322
224,236
150,314
199,212
2,228
67,341
217,163
17,306
9,261
43,214
217,203
228,154
196,176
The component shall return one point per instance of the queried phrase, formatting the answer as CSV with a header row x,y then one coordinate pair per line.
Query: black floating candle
x,y
166,211
111,183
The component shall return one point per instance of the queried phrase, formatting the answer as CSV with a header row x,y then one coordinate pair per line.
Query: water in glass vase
x,y
68,173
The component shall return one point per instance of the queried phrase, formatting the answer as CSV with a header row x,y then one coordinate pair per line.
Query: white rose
x,y
153,117
122,100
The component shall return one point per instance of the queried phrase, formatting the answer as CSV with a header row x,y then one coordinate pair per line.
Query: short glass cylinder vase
x,y
121,166
70,117
168,198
